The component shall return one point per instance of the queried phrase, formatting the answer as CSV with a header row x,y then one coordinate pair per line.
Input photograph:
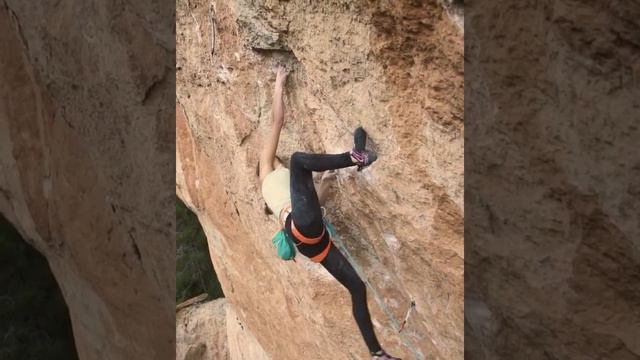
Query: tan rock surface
x,y
243,345
552,233
85,154
201,331
212,330
393,67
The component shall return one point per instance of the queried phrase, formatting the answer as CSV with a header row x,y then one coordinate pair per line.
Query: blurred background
x,y
34,319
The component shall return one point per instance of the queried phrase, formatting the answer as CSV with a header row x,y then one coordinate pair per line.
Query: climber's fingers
x,y
281,73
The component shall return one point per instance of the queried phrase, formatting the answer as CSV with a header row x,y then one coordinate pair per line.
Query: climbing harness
x,y
286,247
303,239
282,217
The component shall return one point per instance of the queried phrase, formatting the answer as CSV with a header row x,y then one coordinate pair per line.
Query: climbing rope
x,y
394,322
406,318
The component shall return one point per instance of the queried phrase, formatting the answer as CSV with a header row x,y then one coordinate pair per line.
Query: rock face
x,y
394,67
212,331
552,239
85,153
201,331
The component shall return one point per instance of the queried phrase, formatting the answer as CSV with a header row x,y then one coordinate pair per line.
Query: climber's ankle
x,y
363,158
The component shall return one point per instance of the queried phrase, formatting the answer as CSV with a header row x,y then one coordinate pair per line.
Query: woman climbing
x,y
291,196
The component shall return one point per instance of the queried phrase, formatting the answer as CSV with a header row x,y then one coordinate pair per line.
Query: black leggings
x,y
307,216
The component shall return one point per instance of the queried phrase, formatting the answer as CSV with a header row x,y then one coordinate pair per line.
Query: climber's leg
x,y
340,268
320,162
306,213
305,207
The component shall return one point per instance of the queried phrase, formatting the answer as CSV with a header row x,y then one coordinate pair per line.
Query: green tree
x,y
194,272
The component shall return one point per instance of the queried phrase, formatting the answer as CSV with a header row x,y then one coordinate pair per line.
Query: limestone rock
x,y
395,68
86,163
212,330
243,345
201,331
552,201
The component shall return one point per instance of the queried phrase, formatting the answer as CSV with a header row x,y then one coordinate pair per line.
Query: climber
x,y
291,196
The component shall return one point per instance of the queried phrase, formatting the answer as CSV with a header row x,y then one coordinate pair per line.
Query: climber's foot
x,y
363,158
359,139
359,155
382,355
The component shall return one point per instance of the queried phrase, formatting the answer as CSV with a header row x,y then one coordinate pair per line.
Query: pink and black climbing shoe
x,y
359,139
382,355
362,156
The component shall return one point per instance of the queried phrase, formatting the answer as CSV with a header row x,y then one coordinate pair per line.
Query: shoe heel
x,y
359,139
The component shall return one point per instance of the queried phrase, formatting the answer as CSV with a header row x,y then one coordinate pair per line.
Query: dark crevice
x,y
135,246
152,89
34,318
244,138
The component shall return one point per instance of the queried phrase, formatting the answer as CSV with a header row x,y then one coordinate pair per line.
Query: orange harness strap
x,y
318,258
304,239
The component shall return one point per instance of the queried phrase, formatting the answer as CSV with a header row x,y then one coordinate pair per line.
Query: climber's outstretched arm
x,y
268,154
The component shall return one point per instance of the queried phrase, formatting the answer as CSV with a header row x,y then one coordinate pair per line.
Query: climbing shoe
x,y
359,139
382,355
363,158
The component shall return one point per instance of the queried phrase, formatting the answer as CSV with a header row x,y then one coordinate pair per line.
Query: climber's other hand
x,y
281,75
